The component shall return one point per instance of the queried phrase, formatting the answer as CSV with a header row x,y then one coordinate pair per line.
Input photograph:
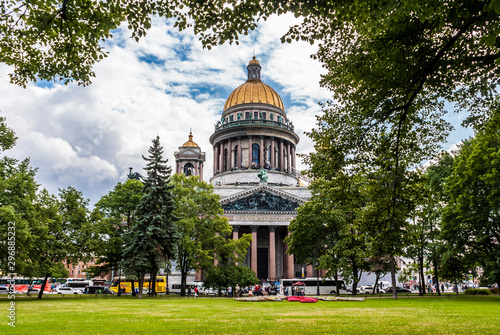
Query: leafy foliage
x,y
204,232
225,275
7,135
471,221
60,39
115,213
18,210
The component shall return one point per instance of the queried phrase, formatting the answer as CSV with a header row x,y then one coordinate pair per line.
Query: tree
x,y
313,233
201,226
41,230
471,221
225,275
17,213
426,227
115,213
65,233
152,240
42,240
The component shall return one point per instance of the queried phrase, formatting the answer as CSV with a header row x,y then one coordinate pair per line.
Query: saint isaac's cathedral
x,y
254,172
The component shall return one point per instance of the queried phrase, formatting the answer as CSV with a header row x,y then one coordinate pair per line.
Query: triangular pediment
x,y
190,152
261,199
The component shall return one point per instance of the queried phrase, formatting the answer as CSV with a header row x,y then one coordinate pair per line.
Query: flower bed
x,y
330,298
302,299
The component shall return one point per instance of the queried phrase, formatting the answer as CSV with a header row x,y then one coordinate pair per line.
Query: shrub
x,y
478,291
495,290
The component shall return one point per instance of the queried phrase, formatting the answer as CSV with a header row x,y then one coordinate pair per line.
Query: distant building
x,y
79,271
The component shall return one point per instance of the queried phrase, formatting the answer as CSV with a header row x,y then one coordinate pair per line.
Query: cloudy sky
x,y
166,84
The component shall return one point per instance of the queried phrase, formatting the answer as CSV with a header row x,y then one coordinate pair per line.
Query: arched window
x,y
189,169
225,159
236,157
256,154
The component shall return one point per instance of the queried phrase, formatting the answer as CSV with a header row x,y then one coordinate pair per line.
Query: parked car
x,y
98,290
399,289
364,289
67,290
369,290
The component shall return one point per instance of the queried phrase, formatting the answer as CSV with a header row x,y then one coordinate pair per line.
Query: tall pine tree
x,y
150,243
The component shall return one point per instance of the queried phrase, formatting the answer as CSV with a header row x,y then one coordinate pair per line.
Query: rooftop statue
x,y
262,176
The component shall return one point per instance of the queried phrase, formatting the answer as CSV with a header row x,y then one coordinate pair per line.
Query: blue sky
x,y
88,137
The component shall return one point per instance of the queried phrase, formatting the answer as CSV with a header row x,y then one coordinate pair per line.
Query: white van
x,y
175,287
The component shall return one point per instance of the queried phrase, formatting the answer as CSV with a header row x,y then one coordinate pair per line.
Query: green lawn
x,y
172,315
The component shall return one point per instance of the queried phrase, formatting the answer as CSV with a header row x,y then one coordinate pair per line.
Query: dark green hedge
x,y
478,291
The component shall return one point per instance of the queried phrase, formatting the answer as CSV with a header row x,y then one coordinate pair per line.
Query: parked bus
x,y
22,284
79,284
175,288
326,286
126,284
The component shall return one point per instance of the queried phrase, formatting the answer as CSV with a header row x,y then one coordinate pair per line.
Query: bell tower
x,y
189,159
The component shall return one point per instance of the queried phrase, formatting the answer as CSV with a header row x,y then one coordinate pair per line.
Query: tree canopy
x,y
205,235
115,213
471,219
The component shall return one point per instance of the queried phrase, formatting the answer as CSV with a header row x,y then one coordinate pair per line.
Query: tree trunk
x,y
377,276
167,290
393,278
141,286
119,281
149,286
42,288
132,287
153,291
422,278
456,283
183,282
436,279
355,275
337,284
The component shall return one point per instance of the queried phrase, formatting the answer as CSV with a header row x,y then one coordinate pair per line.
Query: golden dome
x,y
253,61
190,142
254,91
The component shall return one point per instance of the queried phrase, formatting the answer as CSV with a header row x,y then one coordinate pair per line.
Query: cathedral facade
x,y
254,164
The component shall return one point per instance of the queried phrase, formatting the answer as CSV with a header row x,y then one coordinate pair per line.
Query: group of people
x,y
195,290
